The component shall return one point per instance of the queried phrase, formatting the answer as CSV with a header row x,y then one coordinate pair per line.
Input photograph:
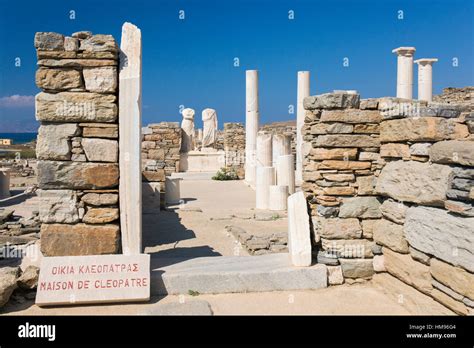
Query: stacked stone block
x,y
160,153
77,148
427,230
234,147
339,173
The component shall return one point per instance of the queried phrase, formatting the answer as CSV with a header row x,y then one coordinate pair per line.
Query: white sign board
x,y
93,279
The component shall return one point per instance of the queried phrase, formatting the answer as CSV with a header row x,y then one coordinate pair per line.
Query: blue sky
x,y
190,62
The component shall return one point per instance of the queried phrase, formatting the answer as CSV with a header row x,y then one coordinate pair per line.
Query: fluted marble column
x,y
404,71
265,179
277,197
425,78
281,145
302,92
264,149
251,124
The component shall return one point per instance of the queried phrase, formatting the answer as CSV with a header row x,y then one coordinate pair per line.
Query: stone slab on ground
x,y
197,307
194,176
233,274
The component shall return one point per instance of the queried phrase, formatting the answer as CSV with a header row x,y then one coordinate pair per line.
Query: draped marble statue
x,y
209,120
187,125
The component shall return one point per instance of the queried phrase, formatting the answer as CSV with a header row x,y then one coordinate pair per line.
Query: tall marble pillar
x,y
264,149
251,124
425,78
130,119
303,92
404,71
286,172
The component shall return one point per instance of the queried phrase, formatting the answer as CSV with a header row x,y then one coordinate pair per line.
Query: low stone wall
x,y
391,180
77,148
234,147
160,154
459,96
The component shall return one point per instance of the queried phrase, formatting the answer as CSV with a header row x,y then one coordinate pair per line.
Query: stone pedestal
x,y
278,197
130,139
251,124
425,78
206,160
264,149
299,235
172,190
281,145
265,178
404,71
286,172
4,183
302,92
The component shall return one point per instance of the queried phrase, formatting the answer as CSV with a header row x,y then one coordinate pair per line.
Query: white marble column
x,y
130,120
404,71
172,190
425,78
302,92
265,179
4,183
251,124
281,146
277,197
264,149
286,172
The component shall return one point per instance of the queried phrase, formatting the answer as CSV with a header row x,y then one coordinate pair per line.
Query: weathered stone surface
x,y
398,107
366,185
379,263
409,271
76,63
340,228
8,277
420,149
390,235
153,176
75,107
100,199
344,165
58,206
347,140
187,308
49,41
339,177
335,276
369,104
77,175
455,278
100,130
339,128
361,207
101,80
348,248
350,116
100,150
436,232
357,268
99,43
419,256
369,156
71,44
368,228
394,150
58,79
459,208
421,129
415,182
367,128
442,110
79,239
339,191
332,101
270,272
54,141
449,302
453,151
394,211
101,215
333,154
157,154
29,278
326,258
299,241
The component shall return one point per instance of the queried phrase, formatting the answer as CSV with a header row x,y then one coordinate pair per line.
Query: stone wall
x,y
77,148
460,96
391,180
234,147
160,154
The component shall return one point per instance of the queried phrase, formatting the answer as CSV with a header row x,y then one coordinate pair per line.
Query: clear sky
x,y
190,62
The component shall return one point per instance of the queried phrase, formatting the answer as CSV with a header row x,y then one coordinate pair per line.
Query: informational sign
x,y
74,280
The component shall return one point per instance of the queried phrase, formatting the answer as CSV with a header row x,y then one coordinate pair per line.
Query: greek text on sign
x,y
93,279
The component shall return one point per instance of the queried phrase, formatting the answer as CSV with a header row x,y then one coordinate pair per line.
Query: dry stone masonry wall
x,y
389,183
77,148
234,147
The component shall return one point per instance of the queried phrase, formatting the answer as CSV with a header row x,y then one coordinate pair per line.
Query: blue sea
x,y
19,138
